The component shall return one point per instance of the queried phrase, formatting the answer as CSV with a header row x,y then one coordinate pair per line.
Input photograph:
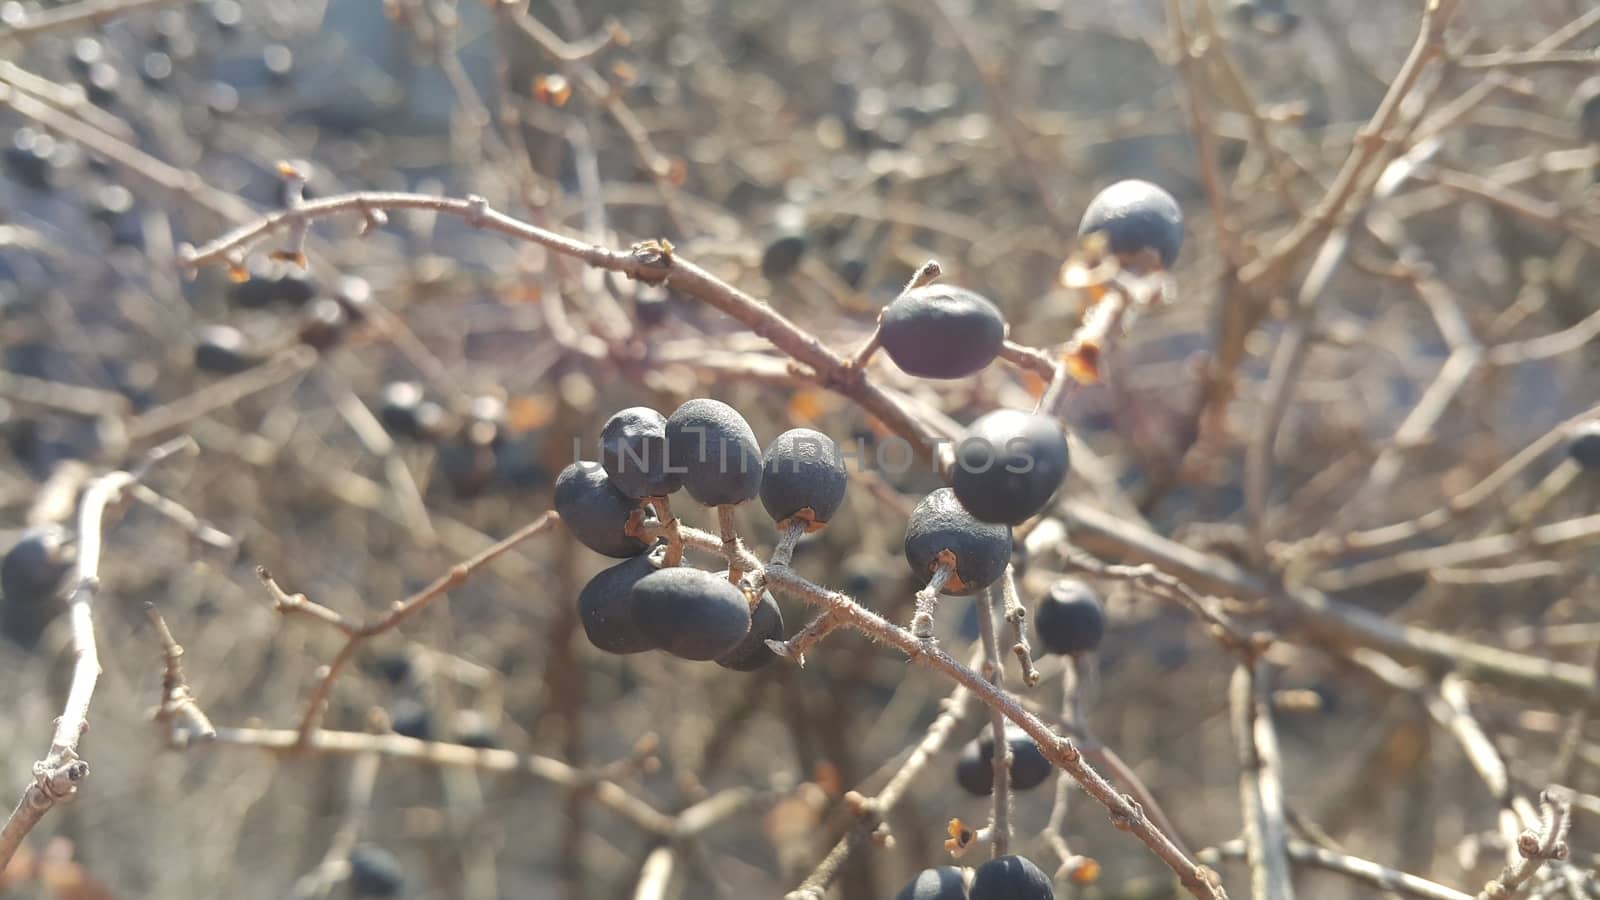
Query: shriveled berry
x,y
803,476
1583,445
595,512
975,765
1070,619
633,448
782,256
712,446
1136,216
691,613
1586,109
1009,464
942,883
940,523
1010,878
752,653
223,349
375,872
605,607
941,331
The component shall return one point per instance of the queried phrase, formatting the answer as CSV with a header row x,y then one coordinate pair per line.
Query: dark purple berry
x,y
691,613
940,331
803,476
375,872
1009,464
940,523
596,513
715,451
633,449
1136,216
943,883
1010,878
1070,619
1584,445
605,607
752,653
975,765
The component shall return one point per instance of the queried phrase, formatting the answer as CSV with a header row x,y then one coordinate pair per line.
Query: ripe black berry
x,y
322,324
975,765
374,872
940,523
605,606
651,305
224,350
411,718
31,582
712,446
802,476
633,448
1010,878
939,331
30,159
1008,465
595,512
752,652
691,613
943,883
404,411
1584,445
782,256
1135,216
1070,619
1586,107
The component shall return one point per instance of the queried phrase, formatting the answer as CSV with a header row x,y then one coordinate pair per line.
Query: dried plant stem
x,y
83,13
57,776
927,599
1381,877
1000,762
1016,616
357,634
1260,784
1536,847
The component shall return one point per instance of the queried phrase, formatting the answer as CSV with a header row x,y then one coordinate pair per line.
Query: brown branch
x,y
1260,784
1364,870
58,775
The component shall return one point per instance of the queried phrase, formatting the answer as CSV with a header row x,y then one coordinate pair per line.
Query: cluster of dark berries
x,y
1002,878
476,446
618,507
324,317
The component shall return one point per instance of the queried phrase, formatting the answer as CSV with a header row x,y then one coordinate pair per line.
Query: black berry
x,y
595,512
803,476
633,449
975,765
1008,465
322,324
691,613
939,331
374,872
1136,216
712,446
471,729
404,410
940,523
411,718
782,256
31,582
1586,108
605,607
1010,878
943,883
1070,619
752,653
1584,445
224,350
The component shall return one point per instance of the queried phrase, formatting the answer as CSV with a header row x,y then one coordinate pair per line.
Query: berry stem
x,y
928,597
788,539
732,547
669,527
1016,616
1000,819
